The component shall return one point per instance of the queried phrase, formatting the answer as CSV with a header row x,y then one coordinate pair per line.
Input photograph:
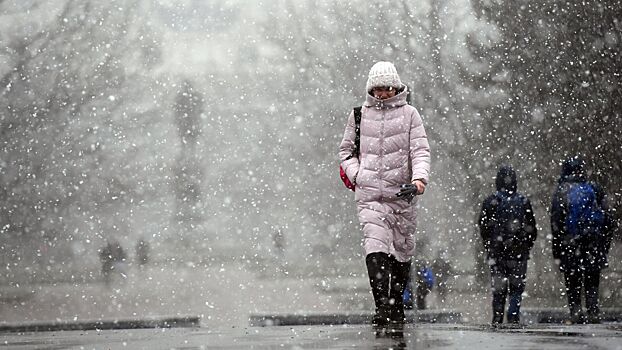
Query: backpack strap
x,y
357,129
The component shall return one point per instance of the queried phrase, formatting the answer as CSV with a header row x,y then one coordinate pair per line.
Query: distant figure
x,y
424,282
381,153
408,295
418,286
442,272
113,260
278,239
278,242
142,252
508,229
582,228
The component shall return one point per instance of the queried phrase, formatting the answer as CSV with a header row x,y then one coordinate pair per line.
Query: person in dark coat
x,y
508,230
580,257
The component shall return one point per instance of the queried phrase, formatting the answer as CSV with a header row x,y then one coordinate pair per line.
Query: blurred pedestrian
x,y
142,252
582,227
508,229
113,259
442,272
424,281
278,240
383,149
279,243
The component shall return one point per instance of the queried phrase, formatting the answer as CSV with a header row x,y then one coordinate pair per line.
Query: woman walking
x,y
393,152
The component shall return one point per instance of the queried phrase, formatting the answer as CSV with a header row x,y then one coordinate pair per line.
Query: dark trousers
x,y
578,278
388,278
507,278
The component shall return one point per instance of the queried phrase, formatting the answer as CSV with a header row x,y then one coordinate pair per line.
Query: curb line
x,y
166,322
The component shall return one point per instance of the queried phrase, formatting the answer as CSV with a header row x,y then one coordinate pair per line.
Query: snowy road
x,y
224,297
423,336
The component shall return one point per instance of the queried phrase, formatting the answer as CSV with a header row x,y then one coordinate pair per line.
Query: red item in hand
x,y
345,179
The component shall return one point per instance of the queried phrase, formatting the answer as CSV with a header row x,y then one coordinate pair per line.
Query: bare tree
x,y
555,62
189,175
70,104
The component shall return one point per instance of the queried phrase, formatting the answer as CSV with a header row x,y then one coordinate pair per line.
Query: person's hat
x,y
573,166
383,74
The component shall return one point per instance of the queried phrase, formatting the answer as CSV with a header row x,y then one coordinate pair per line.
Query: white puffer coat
x,y
394,150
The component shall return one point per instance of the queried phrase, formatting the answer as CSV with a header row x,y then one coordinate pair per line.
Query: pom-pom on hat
x,y
383,74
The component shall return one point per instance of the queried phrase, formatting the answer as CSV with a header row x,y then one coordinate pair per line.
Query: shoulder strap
x,y
357,128
357,114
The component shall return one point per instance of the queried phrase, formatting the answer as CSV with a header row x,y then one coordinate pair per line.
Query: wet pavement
x,y
415,336
230,307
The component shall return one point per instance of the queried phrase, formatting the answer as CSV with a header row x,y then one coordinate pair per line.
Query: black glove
x,y
407,192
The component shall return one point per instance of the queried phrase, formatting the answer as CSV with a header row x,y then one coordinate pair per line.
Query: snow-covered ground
x,y
362,337
223,296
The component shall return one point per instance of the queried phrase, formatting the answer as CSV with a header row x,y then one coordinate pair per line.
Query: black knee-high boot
x,y
399,277
378,269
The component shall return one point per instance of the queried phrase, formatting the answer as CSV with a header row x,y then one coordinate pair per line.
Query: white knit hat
x,y
383,74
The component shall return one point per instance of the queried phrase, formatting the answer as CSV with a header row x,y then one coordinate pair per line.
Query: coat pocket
x,y
404,230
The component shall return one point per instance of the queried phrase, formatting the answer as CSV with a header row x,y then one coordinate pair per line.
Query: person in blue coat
x,y
582,228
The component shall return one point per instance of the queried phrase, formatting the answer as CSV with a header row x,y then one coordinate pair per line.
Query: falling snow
x,y
208,131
